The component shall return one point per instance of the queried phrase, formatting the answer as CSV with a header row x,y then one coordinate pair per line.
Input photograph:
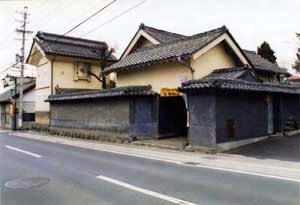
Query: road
x,y
278,148
87,177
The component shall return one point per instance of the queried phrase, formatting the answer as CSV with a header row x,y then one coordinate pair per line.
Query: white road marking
x,y
201,166
182,163
145,191
23,151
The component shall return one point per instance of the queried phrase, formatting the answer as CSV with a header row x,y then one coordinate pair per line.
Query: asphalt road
x,y
87,177
278,148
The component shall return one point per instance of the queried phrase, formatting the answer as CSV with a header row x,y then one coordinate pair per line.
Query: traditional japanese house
x,y
65,64
204,87
164,60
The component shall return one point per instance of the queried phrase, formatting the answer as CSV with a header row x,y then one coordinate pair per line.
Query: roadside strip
x,y
180,163
251,173
23,151
199,165
145,191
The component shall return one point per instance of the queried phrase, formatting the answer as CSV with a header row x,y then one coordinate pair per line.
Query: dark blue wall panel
x,y
202,130
247,110
144,117
291,108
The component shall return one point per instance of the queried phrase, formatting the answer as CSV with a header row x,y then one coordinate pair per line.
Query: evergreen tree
x,y
265,51
296,65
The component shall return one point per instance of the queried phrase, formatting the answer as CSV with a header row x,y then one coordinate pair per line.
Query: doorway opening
x,y
172,117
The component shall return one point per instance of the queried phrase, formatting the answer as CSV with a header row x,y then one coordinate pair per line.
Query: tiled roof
x,y
239,85
161,35
167,51
121,91
70,90
54,44
229,73
4,97
262,64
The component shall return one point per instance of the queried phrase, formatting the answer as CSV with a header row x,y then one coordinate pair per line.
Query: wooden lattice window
x,y
82,71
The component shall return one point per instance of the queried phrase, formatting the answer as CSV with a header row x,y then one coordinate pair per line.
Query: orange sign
x,y
11,110
167,92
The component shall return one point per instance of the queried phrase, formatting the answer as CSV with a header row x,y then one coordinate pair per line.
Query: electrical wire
x,y
76,26
88,18
44,3
11,66
55,13
114,18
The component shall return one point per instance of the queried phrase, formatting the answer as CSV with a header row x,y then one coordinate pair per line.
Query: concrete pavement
x,y
285,148
75,176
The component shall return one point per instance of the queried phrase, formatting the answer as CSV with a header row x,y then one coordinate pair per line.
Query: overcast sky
x,y
250,21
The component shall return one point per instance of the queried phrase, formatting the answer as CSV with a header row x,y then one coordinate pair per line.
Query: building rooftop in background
x,y
262,64
243,72
54,44
4,97
235,79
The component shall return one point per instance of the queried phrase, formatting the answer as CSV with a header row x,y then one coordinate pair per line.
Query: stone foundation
x,y
78,133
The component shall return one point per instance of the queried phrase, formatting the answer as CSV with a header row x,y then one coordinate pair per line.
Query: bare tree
x,y
106,54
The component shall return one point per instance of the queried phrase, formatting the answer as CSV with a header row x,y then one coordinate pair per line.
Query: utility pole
x,y
13,101
22,30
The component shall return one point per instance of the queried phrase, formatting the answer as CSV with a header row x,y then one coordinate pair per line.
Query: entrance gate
x,y
172,116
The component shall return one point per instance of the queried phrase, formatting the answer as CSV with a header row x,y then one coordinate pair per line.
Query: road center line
x,y
23,151
145,191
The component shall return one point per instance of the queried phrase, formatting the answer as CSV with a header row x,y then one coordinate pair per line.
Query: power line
x,y
114,18
42,21
88,18
72,29
9,42
4,39
76,26
11,66
85,12
55,12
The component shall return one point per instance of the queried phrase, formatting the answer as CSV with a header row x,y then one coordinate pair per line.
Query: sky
x,y
250,22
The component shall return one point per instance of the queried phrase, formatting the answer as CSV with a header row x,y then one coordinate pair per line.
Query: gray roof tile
x,y
55,44
262,64
167,51
121,91
228,73
161,35
234,82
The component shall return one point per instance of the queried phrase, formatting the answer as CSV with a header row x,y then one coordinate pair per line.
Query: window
x,y
82,71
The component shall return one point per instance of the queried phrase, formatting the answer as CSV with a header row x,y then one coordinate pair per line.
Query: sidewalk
x,y
225,162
